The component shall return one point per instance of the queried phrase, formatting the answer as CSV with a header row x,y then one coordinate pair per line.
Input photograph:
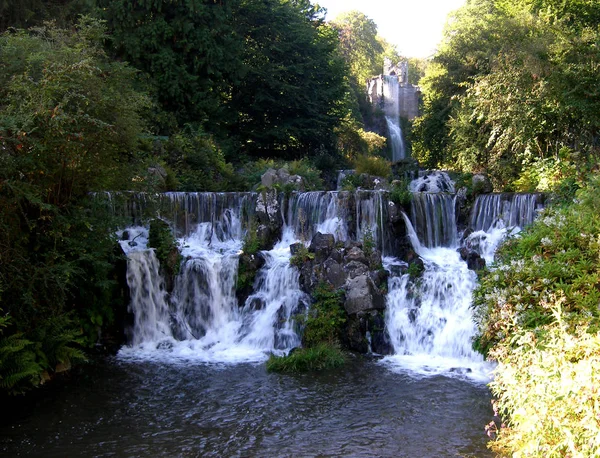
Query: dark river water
x,y
133,409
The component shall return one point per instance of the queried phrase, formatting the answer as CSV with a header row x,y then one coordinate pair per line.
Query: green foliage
x,y
353,141
287,97
321,336
415,269
537,312
198,164
351,182
368,242
547,389
188,49
512,85
161,238
373,165
556,256
30,13
301,256
359,45
325,318
245,276
69,123
18,365
252,243
318,358
253,170
400,194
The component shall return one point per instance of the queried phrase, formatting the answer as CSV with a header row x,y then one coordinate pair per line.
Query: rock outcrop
x,y
362,278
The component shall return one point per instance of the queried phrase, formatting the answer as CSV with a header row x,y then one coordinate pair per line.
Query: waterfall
x,y
391,109
496,216
278,294
429,320
148,298
512,210
434,218
319,211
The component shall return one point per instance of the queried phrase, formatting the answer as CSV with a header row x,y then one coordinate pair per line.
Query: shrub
x,y
537,312
399,194
321,336
301,256
162,240
325,318
373,165
547,390
318,358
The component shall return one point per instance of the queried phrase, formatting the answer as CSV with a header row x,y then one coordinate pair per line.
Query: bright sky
x,y
415,26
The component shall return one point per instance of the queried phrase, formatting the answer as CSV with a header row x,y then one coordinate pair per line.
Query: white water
x,y
203,320
391,109
430,320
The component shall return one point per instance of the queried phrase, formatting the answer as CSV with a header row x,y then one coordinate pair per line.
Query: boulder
x,y
333,273
475,261
337,255
267,210
321,245
354,268
295,248
362,295
269,178
356,254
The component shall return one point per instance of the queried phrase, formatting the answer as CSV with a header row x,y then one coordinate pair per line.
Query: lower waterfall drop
x,y
429,319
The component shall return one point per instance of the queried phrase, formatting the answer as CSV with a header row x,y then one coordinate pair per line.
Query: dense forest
x,y
205,95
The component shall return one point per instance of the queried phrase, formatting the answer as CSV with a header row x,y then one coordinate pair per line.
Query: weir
x,y
428,319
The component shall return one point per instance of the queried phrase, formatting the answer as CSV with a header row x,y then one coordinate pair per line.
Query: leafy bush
x,y
198,164
317,358
547,390
321,336
372,165
557,255
301,256
325,318
162,240
538,316
18,366
400,194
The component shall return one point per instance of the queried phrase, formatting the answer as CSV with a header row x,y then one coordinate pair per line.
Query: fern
x,y
19,368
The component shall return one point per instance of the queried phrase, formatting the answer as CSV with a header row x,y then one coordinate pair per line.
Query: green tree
x,y
69,124
288,99
29,13
187,48
360,46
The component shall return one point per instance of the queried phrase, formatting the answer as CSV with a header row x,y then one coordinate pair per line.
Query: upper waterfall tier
x,y
507,209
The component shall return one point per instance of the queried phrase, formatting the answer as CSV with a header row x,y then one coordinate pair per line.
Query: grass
x,y
320,357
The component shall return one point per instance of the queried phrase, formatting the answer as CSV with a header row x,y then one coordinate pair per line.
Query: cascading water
x,y
430,320
434,218
202,319
496,216
391,109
